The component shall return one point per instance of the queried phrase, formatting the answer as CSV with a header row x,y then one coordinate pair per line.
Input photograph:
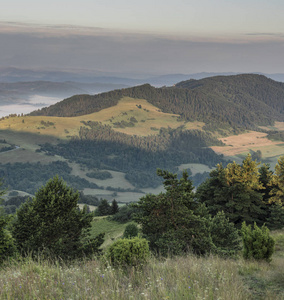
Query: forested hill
x,y
244,101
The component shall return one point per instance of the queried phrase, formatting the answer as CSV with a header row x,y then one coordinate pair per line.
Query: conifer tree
x,y
173,221
236,190
114,207
52,222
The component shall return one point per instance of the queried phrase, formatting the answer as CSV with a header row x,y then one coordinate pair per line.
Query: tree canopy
x,y
52,222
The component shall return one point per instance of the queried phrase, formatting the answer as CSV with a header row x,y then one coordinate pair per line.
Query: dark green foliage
x,y
124,214
103,208
88,199
139,157
131,230
52,222
276,136
128,252
256,155
102,175
275,218
114,209
7,246
16,201
277,182
236,190
86,209
29,177
257,242
173,221
10,209
224,235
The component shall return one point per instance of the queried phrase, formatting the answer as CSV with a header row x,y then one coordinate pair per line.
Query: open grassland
x,y
149,119
243,143
113,230
185,278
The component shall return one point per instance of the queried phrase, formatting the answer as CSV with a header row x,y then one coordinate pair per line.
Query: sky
x,y
143,37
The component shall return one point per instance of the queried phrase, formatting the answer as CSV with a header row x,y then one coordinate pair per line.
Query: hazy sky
x,y
157,36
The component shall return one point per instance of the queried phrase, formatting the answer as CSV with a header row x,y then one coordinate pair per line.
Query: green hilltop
x,y
244,101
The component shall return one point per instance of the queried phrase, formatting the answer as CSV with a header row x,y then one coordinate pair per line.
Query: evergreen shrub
x,y
257,242
131,230
128,252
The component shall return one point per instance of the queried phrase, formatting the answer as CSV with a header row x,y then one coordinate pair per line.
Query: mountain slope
x,y
243,101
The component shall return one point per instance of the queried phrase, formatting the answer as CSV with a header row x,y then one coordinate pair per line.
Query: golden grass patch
x,y
237,144
149,119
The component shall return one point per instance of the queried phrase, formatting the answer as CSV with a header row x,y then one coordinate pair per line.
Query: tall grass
x,y
179,278
184,277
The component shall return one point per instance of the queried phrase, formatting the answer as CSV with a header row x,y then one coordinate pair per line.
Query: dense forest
x,y
29,177
240,101
100,147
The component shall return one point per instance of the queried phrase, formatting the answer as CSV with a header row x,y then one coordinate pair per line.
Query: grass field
x,y
148,116
238,146
113,230
184,278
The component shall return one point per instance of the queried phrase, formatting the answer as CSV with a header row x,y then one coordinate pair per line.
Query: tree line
x,y
175,221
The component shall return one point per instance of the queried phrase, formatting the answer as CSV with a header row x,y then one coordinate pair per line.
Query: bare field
x,y
237,144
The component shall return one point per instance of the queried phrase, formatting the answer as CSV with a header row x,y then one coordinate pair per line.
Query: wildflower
x,y
189,287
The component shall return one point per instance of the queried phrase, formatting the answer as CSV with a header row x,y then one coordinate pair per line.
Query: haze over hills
x,y
128,133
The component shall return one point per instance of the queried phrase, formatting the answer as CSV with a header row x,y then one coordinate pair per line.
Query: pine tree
x,y
236,190
52,222
278,183
173,221
103,208
114,207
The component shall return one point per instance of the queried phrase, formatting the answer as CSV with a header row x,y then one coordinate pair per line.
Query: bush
x,y
131,230
224,235
128,252
258,244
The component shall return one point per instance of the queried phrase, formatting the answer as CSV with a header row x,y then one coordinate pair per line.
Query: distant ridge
x,y
243,101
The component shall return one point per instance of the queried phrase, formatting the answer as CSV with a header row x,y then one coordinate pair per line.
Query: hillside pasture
x,y
148,120
243,143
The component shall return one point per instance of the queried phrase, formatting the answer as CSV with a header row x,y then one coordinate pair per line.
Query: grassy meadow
x,y
185,277
149,120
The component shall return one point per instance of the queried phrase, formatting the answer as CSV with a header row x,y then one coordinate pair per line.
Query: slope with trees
x,y
243,101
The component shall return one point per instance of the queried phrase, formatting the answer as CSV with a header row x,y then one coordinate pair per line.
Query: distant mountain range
x,y
83,76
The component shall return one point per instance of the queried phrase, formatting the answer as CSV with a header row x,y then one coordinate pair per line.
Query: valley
x,y
133,131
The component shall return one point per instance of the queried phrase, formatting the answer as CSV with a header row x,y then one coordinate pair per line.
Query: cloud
x,y
30,46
